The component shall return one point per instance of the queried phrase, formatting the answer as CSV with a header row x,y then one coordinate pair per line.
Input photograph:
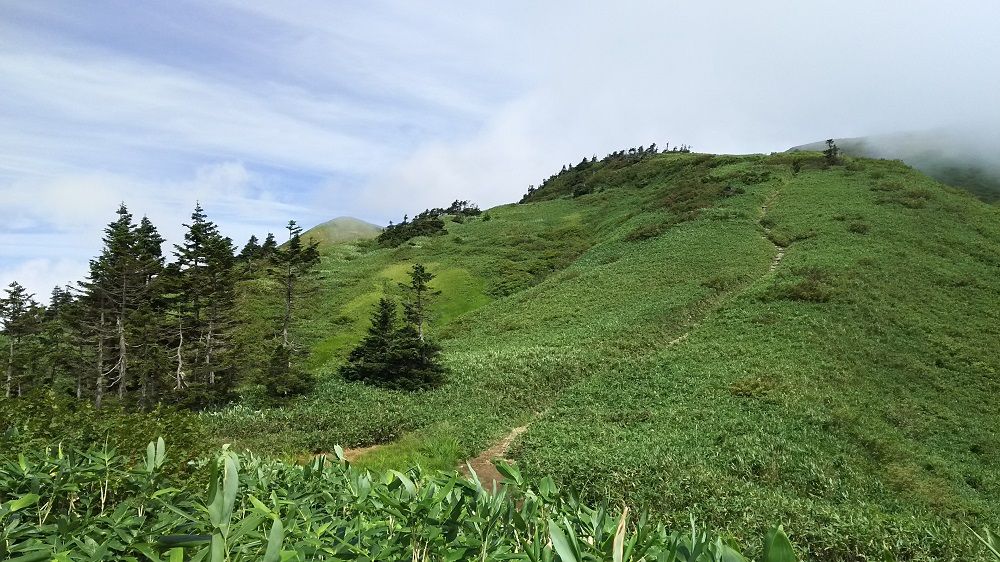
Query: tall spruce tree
x,y
289,264
149,326
18,314
294,260
374,360
250,255
121,285
418,296
205,283
61,353
398,356
110,291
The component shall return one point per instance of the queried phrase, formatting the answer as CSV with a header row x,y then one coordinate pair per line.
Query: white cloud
x,y
277,109
721,76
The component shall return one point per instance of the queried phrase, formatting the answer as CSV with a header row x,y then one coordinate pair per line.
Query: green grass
x,y
341,230
848,393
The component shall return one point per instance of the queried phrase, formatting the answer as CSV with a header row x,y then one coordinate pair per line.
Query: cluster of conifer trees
x,y
143,331
620,158
427,223
399,355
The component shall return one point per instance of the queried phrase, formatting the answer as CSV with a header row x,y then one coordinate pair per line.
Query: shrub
x,y
858,227
812,285
648,231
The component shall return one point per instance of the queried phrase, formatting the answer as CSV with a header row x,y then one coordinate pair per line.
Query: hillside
x,y
342,229
741,339
954,157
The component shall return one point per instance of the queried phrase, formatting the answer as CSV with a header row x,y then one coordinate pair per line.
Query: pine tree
x,y
17,312
418,297
110,293
94,326
283,378
250,254
60,352
251,250
294,261
268,248
832,153
393,355
204,281
291,263
121,284
149,328
374,359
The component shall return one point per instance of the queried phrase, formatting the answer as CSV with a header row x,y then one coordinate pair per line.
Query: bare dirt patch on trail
x,y
483,464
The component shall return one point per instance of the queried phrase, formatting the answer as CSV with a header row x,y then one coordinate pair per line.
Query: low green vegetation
x,y
745,340
92,505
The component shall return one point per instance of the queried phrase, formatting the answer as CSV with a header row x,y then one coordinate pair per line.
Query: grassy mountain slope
x,y
958,158
715,336
342,229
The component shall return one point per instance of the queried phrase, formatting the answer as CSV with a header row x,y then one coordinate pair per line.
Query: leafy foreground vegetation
x,y
92,505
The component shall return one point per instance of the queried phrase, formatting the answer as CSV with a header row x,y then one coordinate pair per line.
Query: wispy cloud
x,y
305,109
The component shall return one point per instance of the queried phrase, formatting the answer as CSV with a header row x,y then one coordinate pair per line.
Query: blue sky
x,y
269,110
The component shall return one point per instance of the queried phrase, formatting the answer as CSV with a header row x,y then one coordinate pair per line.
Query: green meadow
x,y
743,340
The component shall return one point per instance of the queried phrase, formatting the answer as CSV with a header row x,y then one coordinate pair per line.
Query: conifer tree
x,y
268,248
61,353
294,261
250,254
110,295
418,297
399,356
95,326
374,359
832,152
121,284
251,250
205,284
149,326
17,312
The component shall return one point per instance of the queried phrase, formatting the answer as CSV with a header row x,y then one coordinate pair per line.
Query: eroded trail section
x,y
779,251
484,465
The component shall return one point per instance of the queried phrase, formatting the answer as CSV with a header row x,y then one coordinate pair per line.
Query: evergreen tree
x,y
121,285
18,314
110,294
293,262
374,360
61,353
282,377
398,356
418,297
251,250
149,328
418,365
268,248
832,152
250,254
95,327
205,283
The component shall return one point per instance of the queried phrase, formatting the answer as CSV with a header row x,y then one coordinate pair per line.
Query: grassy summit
x,y
342,229
744,339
